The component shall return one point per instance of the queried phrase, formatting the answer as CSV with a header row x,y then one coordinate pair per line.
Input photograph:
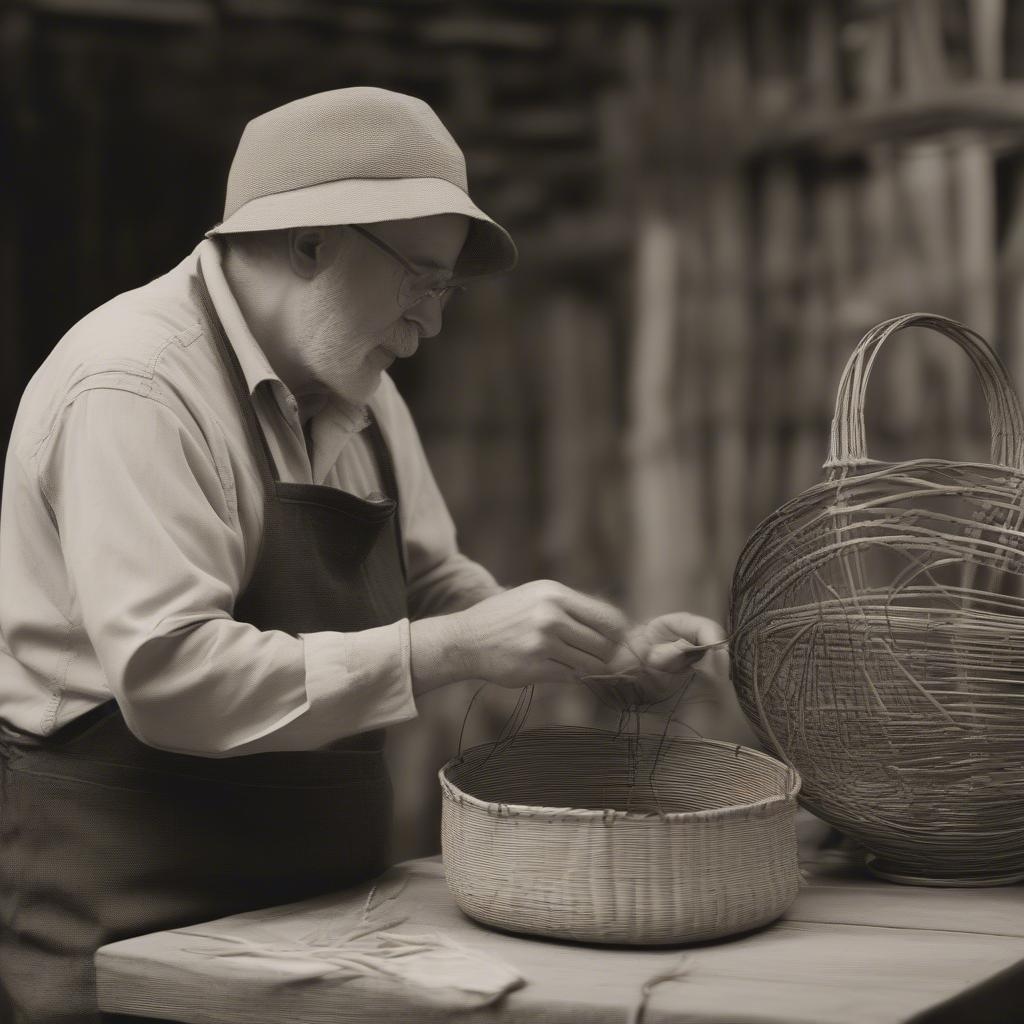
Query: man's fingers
x,y
596,644
625,660
695,629
597,615
583,663
674,657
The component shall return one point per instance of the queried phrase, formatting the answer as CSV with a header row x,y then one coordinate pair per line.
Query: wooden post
x,y
976,228
729,355
663,541
987,28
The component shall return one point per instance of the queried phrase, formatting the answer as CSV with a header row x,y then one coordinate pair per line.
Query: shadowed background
x,y
713,201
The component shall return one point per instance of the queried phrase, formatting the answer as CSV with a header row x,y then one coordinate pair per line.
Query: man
x,y
227,567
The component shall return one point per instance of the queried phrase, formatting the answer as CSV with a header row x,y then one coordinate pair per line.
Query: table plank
x,y
848,952
845,974
848,894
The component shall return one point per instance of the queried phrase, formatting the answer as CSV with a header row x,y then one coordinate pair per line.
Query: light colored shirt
x,y
131,519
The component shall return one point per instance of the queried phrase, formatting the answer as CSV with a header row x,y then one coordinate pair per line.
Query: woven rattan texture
x,y
877,628
587,835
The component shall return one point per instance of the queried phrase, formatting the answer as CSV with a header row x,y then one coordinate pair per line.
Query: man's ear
x,y
306,251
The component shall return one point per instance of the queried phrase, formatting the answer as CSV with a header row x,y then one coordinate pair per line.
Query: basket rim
x,y
452,792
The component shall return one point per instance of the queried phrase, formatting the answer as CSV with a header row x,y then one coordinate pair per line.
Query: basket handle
x,y
848,447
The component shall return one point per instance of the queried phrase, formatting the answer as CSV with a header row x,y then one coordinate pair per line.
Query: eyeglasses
x,y
416,284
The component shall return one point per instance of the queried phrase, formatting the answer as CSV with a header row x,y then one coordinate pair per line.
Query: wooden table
x,y
850,951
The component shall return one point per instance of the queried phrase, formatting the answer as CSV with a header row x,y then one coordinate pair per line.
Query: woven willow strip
x,y
588,835
877,626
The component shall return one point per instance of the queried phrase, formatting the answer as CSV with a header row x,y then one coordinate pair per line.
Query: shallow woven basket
x,y
877,626
587,835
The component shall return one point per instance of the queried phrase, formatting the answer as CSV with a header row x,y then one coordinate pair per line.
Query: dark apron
x,y
103,837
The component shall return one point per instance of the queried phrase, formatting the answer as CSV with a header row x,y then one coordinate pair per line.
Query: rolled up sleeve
x,y
156,558
371,666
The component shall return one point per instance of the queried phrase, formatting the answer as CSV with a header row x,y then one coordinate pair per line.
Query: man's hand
x,y
660,654
541,632
670,646
666,644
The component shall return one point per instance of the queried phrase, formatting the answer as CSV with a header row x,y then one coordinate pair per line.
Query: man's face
x,y
353,323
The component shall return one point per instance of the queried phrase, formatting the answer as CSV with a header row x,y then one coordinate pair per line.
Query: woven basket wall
x,y
581,834
877,626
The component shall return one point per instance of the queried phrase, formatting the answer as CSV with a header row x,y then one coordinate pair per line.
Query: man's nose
x,y
427,316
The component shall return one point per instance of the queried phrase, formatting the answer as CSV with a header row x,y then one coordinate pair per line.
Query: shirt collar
x,y
255,366
333,426
332,429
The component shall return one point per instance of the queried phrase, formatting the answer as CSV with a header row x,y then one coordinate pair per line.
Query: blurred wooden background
x,y
713,201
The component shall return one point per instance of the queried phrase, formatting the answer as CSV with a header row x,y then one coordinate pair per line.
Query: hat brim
x,y
488,249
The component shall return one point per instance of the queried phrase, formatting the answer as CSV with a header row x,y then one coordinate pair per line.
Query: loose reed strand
x,y
681,969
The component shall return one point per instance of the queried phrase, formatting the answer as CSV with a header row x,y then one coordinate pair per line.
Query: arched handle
x,y
848,448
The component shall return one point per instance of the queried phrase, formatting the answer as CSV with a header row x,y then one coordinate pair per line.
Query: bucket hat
x,y
356,156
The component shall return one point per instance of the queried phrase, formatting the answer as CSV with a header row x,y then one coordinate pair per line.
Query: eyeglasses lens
x,y
416,288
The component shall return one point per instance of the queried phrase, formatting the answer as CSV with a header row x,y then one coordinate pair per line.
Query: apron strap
x,y
388,478
264,458
258,439
382,455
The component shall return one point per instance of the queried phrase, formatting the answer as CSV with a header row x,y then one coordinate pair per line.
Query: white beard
x,y
341,357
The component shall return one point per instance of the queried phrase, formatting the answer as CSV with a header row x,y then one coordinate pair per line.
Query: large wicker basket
x,y
587,835
877,626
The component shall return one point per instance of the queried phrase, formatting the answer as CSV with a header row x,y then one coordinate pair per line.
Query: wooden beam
x,y
164,12
981,106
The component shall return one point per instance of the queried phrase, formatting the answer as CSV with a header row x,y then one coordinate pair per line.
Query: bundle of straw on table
x,y
877,626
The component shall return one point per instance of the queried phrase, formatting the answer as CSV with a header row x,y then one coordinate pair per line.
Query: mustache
x,y
405,346
401,339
